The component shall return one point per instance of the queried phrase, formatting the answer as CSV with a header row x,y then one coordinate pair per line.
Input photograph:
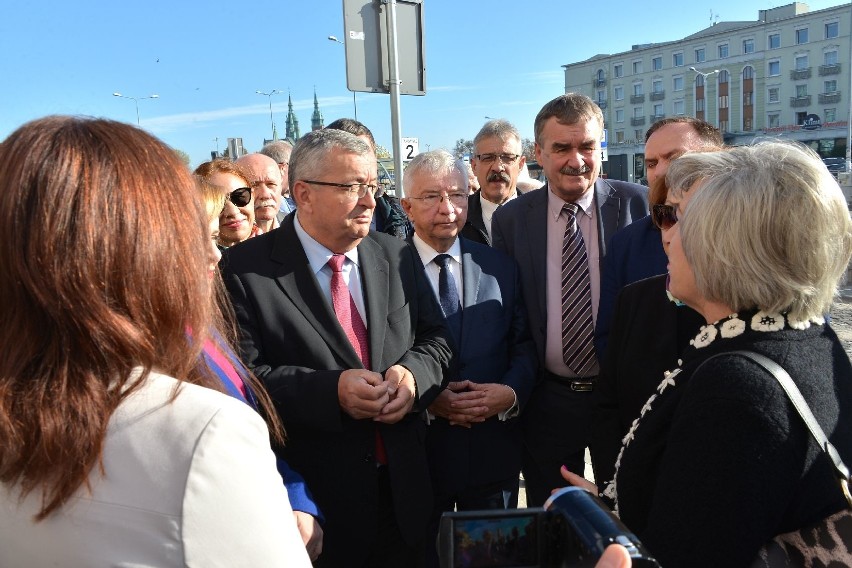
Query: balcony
x,y
640,121
833,69
829,98
601,104
798,74
599,82
655,117
658,95
637,99
797,102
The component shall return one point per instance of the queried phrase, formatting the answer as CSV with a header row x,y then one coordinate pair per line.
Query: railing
x,y
655,117
797,102
829,98
636,99
658,95
601,104
599,82
832,69
637,121
797,74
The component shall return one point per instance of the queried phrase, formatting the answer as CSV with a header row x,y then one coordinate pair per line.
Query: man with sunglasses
x,y
640,332
497,162
559,237
340,324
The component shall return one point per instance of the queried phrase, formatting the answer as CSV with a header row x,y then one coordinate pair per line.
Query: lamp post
x,y
136,101
354,104
705,75
269,95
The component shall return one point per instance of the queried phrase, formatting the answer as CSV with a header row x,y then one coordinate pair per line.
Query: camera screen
x,y
509,541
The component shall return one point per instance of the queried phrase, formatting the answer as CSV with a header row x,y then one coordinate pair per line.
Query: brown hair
x,y
220,165
570,108
102,274
211,197
706,132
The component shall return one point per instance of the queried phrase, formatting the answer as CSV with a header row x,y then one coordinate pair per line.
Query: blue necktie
x,y
448,295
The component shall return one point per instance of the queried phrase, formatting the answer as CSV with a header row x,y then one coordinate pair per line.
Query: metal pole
x,y
354,104
271,120
136,101
849,98
396,127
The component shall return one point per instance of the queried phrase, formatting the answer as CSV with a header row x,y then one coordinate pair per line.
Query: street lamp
x,y
136,101
274,92
354,104
705,75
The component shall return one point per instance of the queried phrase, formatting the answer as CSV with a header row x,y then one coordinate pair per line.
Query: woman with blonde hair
x,y
119,445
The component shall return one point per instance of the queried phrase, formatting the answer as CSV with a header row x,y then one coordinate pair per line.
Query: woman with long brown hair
x,y
116,446
236,221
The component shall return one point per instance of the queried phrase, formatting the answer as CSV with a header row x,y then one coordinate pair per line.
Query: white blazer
x,y
187,483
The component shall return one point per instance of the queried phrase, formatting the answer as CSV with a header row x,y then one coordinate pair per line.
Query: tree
x,y
528,149
463,147
184,157
382,152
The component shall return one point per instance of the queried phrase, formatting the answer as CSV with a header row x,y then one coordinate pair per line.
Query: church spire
x,y
316,118
292,128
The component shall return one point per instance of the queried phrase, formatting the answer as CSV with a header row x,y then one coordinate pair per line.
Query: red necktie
x,y
352,324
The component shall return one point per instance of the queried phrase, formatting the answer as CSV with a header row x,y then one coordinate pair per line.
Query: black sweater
x,y
721,462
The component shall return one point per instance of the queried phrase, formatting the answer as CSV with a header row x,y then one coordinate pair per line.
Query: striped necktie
x,y
578,349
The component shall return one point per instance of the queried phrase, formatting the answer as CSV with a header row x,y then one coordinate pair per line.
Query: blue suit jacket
x,y
519,228
635,253
494,347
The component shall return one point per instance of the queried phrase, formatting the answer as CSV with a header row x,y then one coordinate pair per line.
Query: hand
x,y
401,389
362,393
577,481
311,532
496,398
615,556
443,405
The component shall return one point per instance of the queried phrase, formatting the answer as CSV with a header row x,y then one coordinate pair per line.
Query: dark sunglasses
x,y
240,196
664,216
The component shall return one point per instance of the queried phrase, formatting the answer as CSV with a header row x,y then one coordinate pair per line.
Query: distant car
x,y
835,165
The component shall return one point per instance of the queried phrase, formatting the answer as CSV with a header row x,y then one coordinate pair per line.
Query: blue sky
x,y
205,60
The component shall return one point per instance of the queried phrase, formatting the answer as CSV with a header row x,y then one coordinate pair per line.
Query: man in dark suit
x,y
344,331
474,439
636,252
559,236
497,161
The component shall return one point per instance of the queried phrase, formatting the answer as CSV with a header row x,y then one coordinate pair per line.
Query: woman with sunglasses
x,y
758,238
119,444
236,222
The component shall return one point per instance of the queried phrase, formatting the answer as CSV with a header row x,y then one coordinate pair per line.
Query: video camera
x,y
571,530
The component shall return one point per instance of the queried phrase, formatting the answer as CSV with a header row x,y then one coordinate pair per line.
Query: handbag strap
x,y
783,378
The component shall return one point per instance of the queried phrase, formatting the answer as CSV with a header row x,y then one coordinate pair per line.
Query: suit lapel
x,y
300,285
375,276
536,223
471,275
608,209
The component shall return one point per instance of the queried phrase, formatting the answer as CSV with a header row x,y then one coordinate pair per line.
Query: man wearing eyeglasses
x,y
340,324
559,236
266,184
474,438
497,162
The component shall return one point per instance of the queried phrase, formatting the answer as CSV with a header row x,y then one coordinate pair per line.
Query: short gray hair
x,y
435,163
769,228
497,128
309,155
278,150
570,108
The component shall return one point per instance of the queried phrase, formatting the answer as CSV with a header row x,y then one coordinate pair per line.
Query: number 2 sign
x,y
410,148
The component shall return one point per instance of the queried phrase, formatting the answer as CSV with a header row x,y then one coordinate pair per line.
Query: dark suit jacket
x,y
649,332
494,347
519,228
292,340
636,252
474,227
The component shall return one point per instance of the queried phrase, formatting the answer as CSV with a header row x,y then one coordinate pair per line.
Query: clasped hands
x,y
464,403
367,394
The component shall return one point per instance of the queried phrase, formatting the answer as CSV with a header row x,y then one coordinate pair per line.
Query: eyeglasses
x,y
240,196
352,189
490,158
457,199
664,216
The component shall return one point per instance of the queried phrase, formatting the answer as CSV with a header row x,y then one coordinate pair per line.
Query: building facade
x,y
785,75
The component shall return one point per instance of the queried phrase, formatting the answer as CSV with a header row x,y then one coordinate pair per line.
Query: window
x,y
773,94
748,72
677,59
723,51
619,115
747,125
774,68
748,46
724,76
801,117
601,96
830,58
658,110
677,83
658,86
723,101
637,67
801,36
638,135
678,107
619,137
618,70
801,91
831,30
699,55
830,87
699,80
830,114
773,120
657,63
801,62
638,112
619,93
637,89
699,105
774,41
748,99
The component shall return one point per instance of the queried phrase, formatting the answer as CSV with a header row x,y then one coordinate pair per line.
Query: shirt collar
x,y
428,254
318,255
555,203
